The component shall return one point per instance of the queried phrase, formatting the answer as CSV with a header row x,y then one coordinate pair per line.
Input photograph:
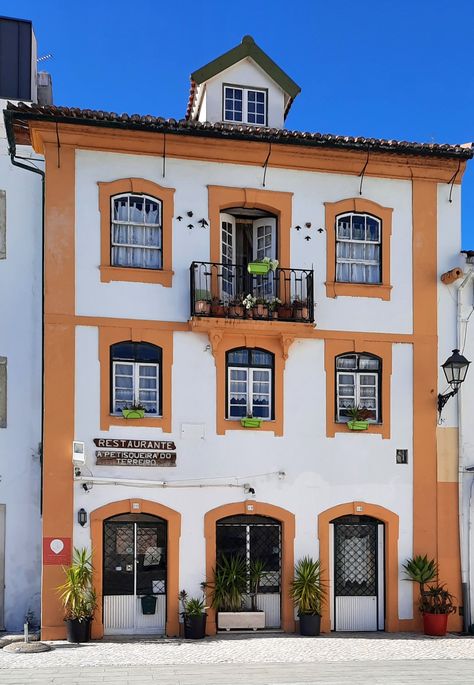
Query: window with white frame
x,y
245,105
358,248
250,384
136,377
358,378
136,231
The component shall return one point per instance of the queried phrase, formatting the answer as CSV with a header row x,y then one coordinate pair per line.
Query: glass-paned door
x,y
134,575
256,538
264,245
228,286
358,574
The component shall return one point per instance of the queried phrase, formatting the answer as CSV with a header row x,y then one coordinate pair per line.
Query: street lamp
x,y
455,369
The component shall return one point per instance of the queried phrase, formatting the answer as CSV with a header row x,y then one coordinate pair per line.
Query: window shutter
x,y
3,224
3,392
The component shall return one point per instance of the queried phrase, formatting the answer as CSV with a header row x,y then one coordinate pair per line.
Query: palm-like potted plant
x,y
358,418
435,601
308,594
194,616
135,410
78,596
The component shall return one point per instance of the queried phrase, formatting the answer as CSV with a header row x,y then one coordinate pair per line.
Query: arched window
x,y
358,248
136,231
250,383
136,377
358,383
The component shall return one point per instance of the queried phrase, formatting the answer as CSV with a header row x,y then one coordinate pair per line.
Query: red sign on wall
x,y
57,551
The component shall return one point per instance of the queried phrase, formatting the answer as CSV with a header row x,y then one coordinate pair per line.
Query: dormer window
x,y
245,105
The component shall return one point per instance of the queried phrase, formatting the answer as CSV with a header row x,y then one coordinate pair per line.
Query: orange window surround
x,y
334,348
164,339
360,205
139,186
223,342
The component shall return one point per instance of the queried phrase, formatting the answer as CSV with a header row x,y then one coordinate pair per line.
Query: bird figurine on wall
x,y
203,222
320,230
298,228
179,218
308,224
307,237
190,226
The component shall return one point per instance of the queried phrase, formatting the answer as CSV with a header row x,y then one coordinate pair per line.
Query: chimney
x,y
45,88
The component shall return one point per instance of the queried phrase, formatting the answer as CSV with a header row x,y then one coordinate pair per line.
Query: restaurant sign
x,y
121,452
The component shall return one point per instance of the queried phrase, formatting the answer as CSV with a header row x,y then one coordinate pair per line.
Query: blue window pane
x,y
260,97
238,105
238,357
251,118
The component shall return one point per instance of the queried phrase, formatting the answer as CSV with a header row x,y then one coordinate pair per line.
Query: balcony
x,y
229,291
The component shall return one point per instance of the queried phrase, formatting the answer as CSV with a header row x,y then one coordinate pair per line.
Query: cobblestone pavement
x,y
394,659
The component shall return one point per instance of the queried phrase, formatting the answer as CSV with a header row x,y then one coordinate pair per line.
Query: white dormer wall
x,y
248,74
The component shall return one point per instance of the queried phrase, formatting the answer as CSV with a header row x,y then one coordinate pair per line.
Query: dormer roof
x,y
246,49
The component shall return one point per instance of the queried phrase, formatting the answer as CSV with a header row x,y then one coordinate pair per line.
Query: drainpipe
x,y
464,521
36,170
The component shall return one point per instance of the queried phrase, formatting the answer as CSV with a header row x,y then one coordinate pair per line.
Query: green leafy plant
x,y
136,405
307,590
192,606
421,570
436,600
77,593
272,263
359,413
256,573
230,583
202,295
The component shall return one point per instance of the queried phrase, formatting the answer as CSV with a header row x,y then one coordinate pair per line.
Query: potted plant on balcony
x,y
308,594
262,267
236,307
358,420
300,309
194,616
250,421
249,303
78,597
135,410
217,307
261,308
229,589
435,602
202,302
285,311
273,306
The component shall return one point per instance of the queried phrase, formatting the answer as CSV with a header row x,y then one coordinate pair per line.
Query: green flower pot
x,y
133,413
258,268
250,422
358,425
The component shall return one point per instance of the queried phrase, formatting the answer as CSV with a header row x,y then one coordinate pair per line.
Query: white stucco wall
x,y
20,342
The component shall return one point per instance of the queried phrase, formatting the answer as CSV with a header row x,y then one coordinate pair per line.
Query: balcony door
x,y
246,239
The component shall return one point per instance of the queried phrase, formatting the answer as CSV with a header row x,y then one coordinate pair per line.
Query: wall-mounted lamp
x,y
82,517
455,369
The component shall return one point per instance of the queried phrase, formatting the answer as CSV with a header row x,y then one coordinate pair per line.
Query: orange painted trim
x,y
449,553
332,349
164,339
173,518
108,272
221,343
391,521
250,507
280,204
357,204
326,160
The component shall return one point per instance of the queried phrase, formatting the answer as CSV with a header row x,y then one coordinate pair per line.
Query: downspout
x,y
463,533
35,170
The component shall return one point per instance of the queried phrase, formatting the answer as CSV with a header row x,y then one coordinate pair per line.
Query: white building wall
x,y
20,342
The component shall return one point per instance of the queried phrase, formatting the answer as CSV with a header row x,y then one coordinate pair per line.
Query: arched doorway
x,y
257,540
154,520
358,588
134,577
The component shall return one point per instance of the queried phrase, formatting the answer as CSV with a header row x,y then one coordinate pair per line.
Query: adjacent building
x,y
242,382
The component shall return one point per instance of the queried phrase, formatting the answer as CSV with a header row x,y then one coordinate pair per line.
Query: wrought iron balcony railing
x,y
229,291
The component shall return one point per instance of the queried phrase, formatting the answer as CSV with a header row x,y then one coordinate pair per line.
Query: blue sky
x,y
394,69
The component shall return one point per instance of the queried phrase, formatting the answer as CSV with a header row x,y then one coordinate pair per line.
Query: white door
x,y
264,245
228,280
134,576
357,573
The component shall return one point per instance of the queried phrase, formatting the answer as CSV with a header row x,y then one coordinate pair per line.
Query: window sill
x,y
336,289
119,273
266,425
147,422
373,429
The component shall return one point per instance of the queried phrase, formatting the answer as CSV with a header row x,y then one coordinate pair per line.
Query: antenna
x,y
44,58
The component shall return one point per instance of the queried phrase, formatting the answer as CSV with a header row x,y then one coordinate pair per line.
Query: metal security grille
x,y
355,552
135,556
253,538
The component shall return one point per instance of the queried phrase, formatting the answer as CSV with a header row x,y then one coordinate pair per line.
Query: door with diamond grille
x,y
256,538
134,569
358,573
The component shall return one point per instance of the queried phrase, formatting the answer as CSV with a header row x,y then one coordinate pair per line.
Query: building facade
x,y
151,307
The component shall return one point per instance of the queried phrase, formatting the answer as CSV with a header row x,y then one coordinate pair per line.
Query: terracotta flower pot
x,y
236,311
435,624
202,307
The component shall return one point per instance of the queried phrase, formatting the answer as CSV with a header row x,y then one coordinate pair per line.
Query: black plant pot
x,y
310,625
78,631
195,627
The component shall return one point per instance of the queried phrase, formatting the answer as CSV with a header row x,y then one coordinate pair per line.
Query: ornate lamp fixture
x,y
455,369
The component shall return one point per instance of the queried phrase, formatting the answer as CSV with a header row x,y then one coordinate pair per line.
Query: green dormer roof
x,y
247,48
